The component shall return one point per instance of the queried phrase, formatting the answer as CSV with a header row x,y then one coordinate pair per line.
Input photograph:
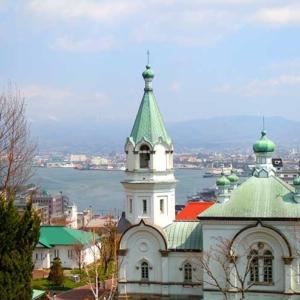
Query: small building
x,y
71,246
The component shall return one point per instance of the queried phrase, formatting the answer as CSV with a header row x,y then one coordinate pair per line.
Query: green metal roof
x,y
36,294
185,235
43,241
297,180
59,235
148,73
233,177
257,198
264,144
223,181
148,124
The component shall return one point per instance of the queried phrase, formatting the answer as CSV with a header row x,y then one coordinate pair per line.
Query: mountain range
x,y
226,132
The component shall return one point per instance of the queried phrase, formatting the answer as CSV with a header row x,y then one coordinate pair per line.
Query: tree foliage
x,y
56,274
108,242
19,232
18,238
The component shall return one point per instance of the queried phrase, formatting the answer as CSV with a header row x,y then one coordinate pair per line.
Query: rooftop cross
x,y
148,53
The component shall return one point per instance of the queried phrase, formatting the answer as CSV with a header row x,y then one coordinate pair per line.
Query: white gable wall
x,y
67,255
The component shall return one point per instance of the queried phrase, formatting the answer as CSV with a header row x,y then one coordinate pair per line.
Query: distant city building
x,y
84,217
78,158
57,204
97,161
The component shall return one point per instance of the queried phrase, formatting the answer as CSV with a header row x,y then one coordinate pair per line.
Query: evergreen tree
x,y
18,238
56,274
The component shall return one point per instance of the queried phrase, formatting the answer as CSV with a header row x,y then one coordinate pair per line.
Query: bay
x,y
103,191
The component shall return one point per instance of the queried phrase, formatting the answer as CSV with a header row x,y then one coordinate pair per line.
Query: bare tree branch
x,y
16,147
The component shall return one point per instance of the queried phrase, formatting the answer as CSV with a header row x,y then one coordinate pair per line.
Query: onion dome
x,y
233,178
297,180
223,181
148,73
264,144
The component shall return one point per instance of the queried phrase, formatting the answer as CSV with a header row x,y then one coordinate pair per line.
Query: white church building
x,y
245,246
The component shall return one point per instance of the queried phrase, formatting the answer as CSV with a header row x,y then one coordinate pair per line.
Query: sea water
x,y
103,191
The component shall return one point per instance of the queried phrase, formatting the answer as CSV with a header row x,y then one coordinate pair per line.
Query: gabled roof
x,y
149,125
192,210
257,198
59,235
184,236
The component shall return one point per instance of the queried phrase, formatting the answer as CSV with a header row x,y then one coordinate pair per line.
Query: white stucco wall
x,y
42,257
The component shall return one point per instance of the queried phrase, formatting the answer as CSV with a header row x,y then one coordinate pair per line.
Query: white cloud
x,y
175,86
35,91
62,104
271,86
224,88
89,45
190,23
293,63
53,118
101,11
278,15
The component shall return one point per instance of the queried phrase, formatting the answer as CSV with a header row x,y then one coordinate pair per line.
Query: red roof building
x,y
192,210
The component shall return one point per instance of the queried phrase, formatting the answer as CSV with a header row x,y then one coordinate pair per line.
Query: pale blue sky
x,y
79,59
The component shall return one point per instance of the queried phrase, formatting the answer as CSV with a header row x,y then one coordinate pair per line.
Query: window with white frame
x,y
161,205
268,266
144,206
70,253
187,272
56,253
145,270
261,264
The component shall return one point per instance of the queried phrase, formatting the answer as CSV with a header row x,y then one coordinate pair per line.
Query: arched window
x,y
268,266
254,265
145,270
144,156
187,272
261,264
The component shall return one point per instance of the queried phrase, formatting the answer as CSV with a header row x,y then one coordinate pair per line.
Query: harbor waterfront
x,y
103,191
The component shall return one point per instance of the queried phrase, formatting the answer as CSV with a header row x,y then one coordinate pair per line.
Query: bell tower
x,y
149,177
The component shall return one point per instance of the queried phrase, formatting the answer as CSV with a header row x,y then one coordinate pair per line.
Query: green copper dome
x,y
233,178
264,144
223,181
148,73
297,180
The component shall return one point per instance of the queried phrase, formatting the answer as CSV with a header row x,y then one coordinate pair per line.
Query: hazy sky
x,y
83,59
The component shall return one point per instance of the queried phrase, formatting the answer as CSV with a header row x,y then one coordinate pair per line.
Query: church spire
x,y
149,177
149,125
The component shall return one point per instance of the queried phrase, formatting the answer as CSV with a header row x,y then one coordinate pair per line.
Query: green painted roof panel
x,y
149,124
59,235
257,198
185,235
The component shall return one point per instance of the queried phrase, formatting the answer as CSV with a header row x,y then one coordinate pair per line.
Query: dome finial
x,y
148,74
